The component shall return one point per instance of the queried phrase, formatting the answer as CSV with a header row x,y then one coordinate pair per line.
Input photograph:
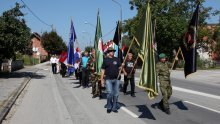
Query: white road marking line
x,y
196,92
203,107
191,91
129,112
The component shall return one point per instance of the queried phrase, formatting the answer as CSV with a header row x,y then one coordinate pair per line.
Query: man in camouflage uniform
x,y
93,77
163,71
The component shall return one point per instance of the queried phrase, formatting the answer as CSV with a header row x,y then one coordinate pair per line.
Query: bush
x,y
29,60
19,56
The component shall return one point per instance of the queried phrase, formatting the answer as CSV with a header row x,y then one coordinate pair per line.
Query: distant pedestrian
x,y
85,72
77,56
63,69
57,64
129,71
163,71
53,61
79,71
110,68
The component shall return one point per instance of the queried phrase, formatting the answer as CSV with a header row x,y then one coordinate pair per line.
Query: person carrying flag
x,y
129,71
91,68
110,68
163,71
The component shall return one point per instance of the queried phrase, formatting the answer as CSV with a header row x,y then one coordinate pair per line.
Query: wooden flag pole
x,y
134,65
175,58
179,50
125,58
182,54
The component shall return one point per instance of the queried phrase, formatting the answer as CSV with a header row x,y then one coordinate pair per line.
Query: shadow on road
x,y
180,105
120,105
73,79
145,112
21,75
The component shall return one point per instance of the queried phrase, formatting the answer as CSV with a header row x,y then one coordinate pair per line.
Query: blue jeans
x,y
112,87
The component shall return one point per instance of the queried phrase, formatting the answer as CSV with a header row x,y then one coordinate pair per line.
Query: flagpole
x,y
134,65
176,57
125,58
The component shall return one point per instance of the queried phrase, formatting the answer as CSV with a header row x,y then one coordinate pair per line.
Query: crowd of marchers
x,y
84,70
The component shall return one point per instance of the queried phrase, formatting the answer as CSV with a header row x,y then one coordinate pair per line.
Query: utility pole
x,y
120,43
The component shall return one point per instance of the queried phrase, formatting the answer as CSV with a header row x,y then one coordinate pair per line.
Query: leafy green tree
x,y
204,38
172,18
14,34
216,38
53,43
88,48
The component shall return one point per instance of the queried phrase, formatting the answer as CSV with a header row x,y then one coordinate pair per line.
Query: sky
x,y
60,12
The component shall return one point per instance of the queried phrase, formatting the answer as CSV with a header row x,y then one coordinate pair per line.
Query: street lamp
x,y
120,8
89,36
120,43
89,24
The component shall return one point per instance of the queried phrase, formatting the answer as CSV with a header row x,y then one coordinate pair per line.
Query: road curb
x,y
11,100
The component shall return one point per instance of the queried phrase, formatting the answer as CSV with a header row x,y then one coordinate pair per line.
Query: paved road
x,y
51,99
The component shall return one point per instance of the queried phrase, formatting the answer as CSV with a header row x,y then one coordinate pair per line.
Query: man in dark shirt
x,y
129,71
110,68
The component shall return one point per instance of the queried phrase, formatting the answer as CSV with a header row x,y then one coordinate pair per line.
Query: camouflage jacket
x,y
91,64
91,68
163,70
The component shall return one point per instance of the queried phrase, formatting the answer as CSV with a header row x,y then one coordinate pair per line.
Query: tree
x,y
204,38
53,43
172,17
216,38
88,48
14,34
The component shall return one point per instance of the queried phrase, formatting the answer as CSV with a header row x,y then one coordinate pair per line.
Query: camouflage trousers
x,y
166,91
96,88
96,85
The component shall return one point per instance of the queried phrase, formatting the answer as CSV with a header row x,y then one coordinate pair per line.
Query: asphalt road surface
x,y
51,99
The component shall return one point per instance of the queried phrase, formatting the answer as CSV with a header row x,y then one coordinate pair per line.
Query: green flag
x,y
148,77
98,45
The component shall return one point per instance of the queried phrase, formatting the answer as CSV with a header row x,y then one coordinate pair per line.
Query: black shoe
x,y
94,96
167,111
100,97
133,95
108,111
161,106
115,111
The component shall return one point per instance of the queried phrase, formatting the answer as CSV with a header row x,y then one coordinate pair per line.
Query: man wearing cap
x,y
110,68
163,72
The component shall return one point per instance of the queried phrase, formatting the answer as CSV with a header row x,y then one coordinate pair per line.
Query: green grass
x,y
28,60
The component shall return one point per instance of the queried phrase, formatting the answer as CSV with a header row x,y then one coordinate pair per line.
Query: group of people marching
x,y
110,73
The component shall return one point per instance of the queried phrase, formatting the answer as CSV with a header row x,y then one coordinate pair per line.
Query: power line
x,y
36,15
109,32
